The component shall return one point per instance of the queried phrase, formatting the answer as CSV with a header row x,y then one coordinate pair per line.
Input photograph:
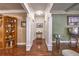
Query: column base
x,y
28,48
49,48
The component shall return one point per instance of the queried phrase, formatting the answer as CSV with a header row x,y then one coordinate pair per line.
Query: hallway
x,y
39,46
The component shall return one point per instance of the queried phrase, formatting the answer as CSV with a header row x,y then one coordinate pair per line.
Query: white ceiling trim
x,y
23,5
27,8
12,11
63,12
49,7
69,8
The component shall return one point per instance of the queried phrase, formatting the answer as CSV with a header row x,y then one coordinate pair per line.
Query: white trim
x,y
49,6
64,12
27,7
23,5
49,48
21,43
12,11
28,47
61,41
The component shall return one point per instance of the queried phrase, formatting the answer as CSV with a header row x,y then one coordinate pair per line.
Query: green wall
x,y
60,26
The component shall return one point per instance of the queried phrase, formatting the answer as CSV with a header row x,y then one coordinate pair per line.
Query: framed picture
x,y
39,25
73,20
23,23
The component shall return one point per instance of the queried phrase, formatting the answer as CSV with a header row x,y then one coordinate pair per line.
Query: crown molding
x,y
64,12
12,11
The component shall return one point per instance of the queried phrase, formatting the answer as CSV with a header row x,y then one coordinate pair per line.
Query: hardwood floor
x,y
57,50
21,51
39,47
17,51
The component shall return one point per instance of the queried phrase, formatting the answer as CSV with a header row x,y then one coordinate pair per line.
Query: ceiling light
x,y
39,12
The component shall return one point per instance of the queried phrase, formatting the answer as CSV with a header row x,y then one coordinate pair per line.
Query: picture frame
x,y
39,25
72,20
23,23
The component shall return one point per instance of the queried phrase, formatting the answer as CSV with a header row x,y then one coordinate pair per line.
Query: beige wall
x,y
20,30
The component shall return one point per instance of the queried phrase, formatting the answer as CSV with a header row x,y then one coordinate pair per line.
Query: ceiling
x,y
61,6
38,6
11,6
66,7
75,7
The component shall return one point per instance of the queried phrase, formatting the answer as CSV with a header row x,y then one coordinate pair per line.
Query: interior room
x,y
39,29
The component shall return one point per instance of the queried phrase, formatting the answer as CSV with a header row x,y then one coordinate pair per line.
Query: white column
x,y
28,33
49,43
46,29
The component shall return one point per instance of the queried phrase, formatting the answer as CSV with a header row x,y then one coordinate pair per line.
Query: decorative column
x,y
28,33
49,31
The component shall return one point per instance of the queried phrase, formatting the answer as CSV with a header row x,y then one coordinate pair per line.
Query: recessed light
x,y
39,12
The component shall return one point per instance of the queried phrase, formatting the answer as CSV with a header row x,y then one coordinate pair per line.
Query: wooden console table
x,y
39,35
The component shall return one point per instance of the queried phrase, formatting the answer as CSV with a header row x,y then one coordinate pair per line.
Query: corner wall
x,y
60,26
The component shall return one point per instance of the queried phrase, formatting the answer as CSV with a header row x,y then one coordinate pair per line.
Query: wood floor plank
x,y
21,51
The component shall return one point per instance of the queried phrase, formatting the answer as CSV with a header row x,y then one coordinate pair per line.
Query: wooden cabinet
x,y
8,32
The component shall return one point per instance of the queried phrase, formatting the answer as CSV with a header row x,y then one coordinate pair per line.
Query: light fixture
x,y
39,12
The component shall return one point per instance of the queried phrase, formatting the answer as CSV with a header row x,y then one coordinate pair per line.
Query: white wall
x,y
40,20
47,28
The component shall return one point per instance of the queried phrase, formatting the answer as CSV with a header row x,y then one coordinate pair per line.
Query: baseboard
x,y
52,42
21,43
28,48
49,48
61,41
